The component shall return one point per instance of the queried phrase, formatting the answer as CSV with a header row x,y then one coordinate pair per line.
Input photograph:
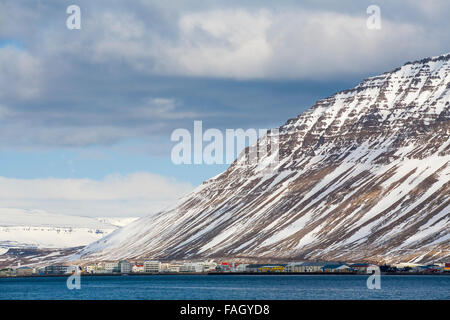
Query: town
x,y
125,267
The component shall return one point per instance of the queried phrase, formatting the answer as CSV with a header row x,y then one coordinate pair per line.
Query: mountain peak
x,y
362,175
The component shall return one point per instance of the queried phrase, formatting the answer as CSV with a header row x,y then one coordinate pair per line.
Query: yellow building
x,y
270,268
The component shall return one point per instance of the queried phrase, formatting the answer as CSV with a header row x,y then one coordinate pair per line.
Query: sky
x,y
86,115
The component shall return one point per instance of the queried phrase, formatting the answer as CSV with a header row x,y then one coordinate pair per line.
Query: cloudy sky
x,y
86,115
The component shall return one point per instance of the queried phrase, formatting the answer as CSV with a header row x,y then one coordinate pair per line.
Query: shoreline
x,y
230,274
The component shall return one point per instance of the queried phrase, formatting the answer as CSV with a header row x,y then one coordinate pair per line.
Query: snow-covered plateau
x,y
39,229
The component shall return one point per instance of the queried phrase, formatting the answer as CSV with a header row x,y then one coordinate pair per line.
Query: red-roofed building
x,y
137,268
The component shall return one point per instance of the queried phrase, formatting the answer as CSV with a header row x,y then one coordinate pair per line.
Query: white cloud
x,y
223,43
246,43
276,41
163,108
19,73
135,194
117,77
287,44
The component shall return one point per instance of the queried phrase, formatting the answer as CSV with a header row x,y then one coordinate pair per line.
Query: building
x,y
293,266
388,268
175,267
7,272
164,267
152,266
223,267
307,267
24,271
227,267
111,267
191,267
447,267
99,268
55,269
90,268
266,267
124,266
41,271
428,269
241,267
341,268
137,268
254,267
209,266
273,268
360,267
198,267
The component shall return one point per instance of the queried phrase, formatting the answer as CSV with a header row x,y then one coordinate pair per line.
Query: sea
x,y
228,287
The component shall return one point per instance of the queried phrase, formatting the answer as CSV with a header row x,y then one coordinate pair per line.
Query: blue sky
x,y
85,105
152,154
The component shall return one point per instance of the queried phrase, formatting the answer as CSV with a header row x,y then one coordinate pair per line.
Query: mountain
x,y
362,175
36,228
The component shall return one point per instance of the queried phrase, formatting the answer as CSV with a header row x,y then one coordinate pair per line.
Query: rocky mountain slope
x,y
362,175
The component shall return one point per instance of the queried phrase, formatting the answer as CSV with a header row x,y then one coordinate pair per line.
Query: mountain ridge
x,y
362,175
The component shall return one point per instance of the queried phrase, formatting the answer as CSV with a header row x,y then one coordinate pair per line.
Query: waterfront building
x,y
111,267
342,268
175,267
311,267
205,266
293,266
164,267
223,267
6,272
72,269
138,268
209,266
241,267
24,271
124,266
191,267
151,266
55,269
266,267
90,268
360,267
273,268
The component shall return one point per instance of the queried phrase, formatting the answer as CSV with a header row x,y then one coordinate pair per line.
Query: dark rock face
x,y
35,257
362,175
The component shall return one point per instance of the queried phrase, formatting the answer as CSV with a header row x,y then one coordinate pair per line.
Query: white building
x,y
90,268
198,266
209,266
124,266
191,267
111,267
241,268
165,267
138,268
152,266
175,267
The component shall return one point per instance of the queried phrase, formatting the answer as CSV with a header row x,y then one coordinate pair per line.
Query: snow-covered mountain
x,y
362,175
36,228
117,221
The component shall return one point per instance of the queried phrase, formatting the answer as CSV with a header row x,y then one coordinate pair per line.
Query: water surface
x,y
211,287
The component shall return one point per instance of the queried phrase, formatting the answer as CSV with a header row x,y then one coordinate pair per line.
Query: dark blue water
x,y
228,287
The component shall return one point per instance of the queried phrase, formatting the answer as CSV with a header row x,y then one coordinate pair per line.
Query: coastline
x,y
231,274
